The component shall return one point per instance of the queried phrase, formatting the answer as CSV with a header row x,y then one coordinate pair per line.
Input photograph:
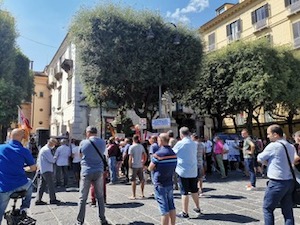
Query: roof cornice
x,y
223,16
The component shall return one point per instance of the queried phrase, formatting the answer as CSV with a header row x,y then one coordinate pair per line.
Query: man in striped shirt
x,y
163,164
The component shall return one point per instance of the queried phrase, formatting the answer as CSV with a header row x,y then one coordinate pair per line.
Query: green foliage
x,y
16,81
118,62
244,76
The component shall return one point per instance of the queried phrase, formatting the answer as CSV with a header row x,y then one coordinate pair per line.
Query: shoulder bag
x,y
296,192
101,156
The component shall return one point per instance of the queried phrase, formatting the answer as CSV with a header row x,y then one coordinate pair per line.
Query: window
x,y
234,31
41,94
292,5
296,34
59,98
70,89
259,17
211,42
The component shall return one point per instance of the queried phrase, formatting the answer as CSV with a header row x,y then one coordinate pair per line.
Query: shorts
x,y
137,172
200,172
188,185
164,197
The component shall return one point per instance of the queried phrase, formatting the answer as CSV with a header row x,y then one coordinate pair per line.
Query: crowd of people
x,y
182,163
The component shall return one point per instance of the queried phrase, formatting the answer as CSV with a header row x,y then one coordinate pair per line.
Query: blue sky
x,y
43,24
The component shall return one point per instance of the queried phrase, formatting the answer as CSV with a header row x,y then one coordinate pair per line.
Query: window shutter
x,y
253,16
239,25
228,30
287,3
267,10
296,30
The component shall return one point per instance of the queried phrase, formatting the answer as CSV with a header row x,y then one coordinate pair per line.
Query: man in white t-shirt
x,y
137,158
225,157
208,154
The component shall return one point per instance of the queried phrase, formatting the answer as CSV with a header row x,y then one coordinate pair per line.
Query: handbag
x,y
103,159
296,192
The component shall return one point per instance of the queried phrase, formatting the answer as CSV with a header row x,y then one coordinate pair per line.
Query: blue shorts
x,y
164,197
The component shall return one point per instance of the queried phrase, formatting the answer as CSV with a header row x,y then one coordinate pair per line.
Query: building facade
x,y
276,20
40,103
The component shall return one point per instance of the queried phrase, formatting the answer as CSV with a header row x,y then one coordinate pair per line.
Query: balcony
x,y
294,8
261,24
296,42
234,37
67,65
57,74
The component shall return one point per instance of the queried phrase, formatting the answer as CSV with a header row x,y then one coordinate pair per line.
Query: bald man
x,y
13,157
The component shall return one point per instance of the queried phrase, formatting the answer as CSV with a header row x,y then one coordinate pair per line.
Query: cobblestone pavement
x,y
224,202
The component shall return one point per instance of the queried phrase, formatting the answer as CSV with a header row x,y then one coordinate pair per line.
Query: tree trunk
x,y
234,124
3,133
290,124
259,127
219,127
249,119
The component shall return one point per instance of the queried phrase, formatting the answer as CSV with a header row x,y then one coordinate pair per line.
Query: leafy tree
x,y
258,78
119,60
16,80
286,105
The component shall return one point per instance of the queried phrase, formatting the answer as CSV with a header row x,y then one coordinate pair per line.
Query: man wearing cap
x,y
92,167
45,162
13,157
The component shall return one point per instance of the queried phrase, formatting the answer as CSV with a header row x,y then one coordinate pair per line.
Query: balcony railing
x,y
294,7
261,24
297,42
234,37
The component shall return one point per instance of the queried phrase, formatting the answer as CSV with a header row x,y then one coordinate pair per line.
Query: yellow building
x,y
40,106
278,20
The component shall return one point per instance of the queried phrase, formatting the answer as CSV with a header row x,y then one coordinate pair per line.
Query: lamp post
x,y
176,41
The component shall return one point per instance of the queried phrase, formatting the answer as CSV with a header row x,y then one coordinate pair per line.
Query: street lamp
x,y
176,41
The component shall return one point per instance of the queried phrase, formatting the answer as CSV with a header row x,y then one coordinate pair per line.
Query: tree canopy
x,y
120,62
16,80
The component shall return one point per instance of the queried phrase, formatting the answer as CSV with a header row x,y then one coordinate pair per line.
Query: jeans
x,y
4,198
279,191
61,170
112,163
249,163
164,197
85,183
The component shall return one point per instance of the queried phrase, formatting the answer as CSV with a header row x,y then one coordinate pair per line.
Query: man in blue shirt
x,y
92,168
281,183
163,164
187,170
14,161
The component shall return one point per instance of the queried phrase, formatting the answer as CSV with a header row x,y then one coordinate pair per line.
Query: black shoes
x,y
56,202
40,203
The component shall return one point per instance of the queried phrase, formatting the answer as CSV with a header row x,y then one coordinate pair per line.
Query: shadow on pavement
x,y
124,205
208,189
140,223
70,204
232,197
234,218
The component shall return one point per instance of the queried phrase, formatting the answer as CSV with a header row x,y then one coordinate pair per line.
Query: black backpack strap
x,y
101,156
290,164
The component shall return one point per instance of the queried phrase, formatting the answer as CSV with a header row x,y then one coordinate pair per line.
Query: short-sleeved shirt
x,y
91,162
76,154
186,151
153,148
165,161
246,147
136,151
275,155
200,152
62,155
13,158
